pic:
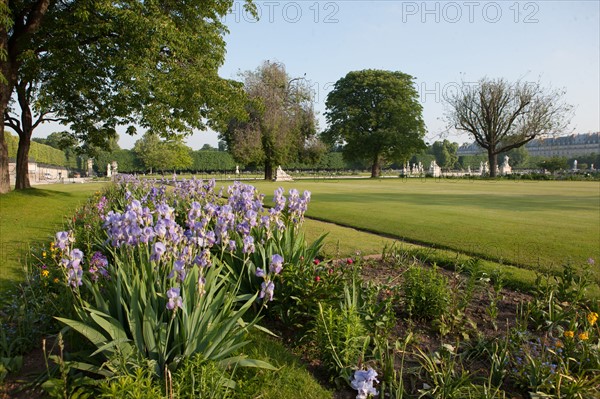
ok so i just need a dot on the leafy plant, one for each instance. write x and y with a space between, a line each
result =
392 377
70 382
341 336
426 292
446 378
130 321
495 296
558 298
197 378
140 384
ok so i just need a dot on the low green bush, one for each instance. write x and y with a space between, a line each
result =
426 292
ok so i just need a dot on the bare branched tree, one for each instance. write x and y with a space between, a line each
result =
501 115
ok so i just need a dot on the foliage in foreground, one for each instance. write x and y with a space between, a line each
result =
151 277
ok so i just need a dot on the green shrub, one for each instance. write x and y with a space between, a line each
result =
426 292
138 385
341 336
197 378
290 380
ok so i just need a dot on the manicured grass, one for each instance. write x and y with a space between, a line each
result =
534 225
31 217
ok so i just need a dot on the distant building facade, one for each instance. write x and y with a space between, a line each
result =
565 146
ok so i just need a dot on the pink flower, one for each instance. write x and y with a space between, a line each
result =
316 261
317 279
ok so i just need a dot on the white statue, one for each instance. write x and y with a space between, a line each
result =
280 175
237 170
505 169
108 171
434 169
90 167
575 165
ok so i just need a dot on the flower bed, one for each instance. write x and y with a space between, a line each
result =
159 286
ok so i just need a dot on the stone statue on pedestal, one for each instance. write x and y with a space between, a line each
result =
280 175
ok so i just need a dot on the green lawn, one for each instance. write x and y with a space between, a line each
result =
31 217
533 224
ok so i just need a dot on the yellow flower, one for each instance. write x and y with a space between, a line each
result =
592 318
45 273
56 280
43 254
583 336
569 334
559 344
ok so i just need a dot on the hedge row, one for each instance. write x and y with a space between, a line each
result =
37 152
212 160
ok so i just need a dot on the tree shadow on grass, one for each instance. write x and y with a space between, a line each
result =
38 192
484 201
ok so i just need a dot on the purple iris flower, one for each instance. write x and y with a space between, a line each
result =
179 268
276 264
267 288
175 300
62 239
158 249
248 245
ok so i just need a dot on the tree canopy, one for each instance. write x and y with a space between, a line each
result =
98 64
158 154
376 116
281 122
502 115
446 153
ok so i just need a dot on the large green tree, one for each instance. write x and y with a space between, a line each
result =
446 153
376 115
502 115
162 155
281 123
97 64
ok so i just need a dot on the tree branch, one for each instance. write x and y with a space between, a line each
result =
11 122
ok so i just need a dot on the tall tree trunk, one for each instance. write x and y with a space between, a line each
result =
6 88
493 159
25 133
268 170
4 176
376 167
22 181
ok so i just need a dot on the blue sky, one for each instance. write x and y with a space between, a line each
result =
440 43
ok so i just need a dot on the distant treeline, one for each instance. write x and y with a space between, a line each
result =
203 160
213 160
